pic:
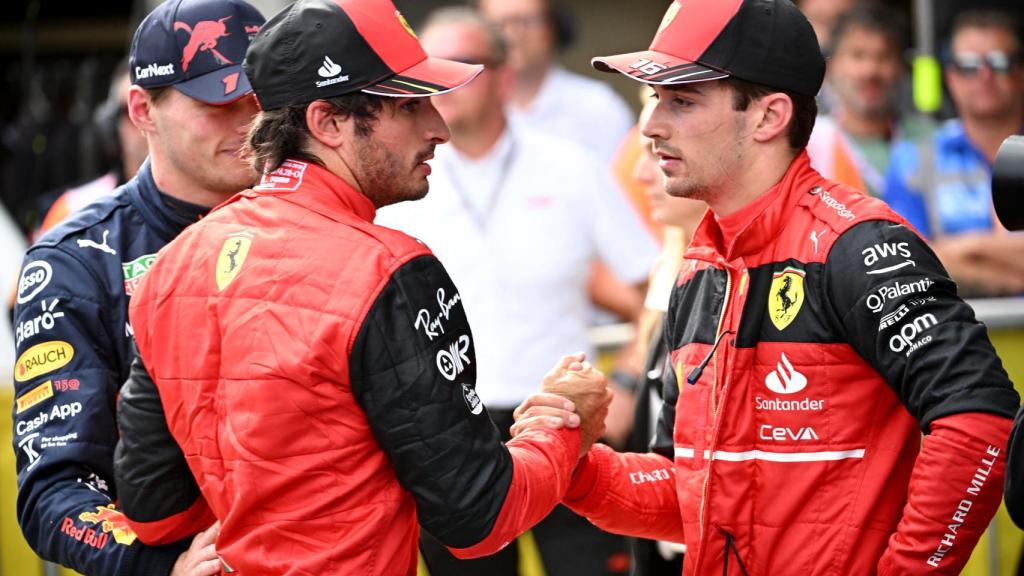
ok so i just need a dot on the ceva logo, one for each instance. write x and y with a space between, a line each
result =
785 379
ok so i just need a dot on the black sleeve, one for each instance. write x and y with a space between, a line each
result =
1014 487
413 371
898 308
663 442
152 476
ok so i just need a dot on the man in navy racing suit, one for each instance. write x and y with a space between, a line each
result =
193 103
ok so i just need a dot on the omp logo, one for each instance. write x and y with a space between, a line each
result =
34 277
44 321
153 70
453 361
907 340
785 379
781 433
329 69
42 359
34 396
873 254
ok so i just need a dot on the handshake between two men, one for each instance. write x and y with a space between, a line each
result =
573 394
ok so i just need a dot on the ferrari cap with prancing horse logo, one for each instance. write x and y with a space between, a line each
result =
197 46
317 49
767 42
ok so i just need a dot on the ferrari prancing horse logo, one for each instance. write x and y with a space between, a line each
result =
786 296
232 256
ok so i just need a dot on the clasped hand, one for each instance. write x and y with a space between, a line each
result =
573 394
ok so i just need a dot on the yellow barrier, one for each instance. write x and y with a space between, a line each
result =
16 558
996 555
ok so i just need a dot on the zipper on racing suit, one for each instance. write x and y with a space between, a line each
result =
714 405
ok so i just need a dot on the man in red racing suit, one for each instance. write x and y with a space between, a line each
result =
814 336
311 375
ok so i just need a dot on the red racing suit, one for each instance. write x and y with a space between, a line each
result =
814 336
318 373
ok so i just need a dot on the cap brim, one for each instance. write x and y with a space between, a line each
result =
222 86
657 68
430 77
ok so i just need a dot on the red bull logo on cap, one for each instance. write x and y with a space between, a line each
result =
203 37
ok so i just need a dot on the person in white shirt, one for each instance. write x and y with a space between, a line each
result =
517 217
543 93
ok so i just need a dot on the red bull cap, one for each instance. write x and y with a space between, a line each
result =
197 46
317 49
767 42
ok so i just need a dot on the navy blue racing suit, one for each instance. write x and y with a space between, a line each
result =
74 349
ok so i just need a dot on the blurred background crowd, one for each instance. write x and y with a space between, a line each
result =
919 94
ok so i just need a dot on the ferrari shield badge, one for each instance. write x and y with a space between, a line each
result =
232 256
786 296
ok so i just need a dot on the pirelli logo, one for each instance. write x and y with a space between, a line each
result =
35 396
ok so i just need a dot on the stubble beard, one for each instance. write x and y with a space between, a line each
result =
385 178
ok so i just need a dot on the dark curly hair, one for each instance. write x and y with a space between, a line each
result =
277 135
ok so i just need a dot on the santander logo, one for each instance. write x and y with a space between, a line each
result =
785 379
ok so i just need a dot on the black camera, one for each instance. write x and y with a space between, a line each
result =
1008 183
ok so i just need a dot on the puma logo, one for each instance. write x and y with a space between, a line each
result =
104 247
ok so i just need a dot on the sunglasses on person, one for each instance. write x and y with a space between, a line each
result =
970 63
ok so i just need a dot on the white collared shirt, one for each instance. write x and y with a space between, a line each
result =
520 252
578 108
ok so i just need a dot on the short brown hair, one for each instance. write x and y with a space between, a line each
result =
805 108
986 18
159 93
280 134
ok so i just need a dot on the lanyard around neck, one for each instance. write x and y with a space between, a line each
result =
481 219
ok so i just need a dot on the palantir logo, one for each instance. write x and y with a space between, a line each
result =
329 69
785 379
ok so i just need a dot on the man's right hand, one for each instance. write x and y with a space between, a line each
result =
201 557
584 386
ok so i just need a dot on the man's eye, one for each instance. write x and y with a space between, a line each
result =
411 105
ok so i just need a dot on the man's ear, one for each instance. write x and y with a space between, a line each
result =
775 112
326 125
140 109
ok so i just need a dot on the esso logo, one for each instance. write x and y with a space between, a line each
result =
34 277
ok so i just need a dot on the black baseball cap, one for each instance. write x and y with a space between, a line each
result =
317 49
767 42
197 46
